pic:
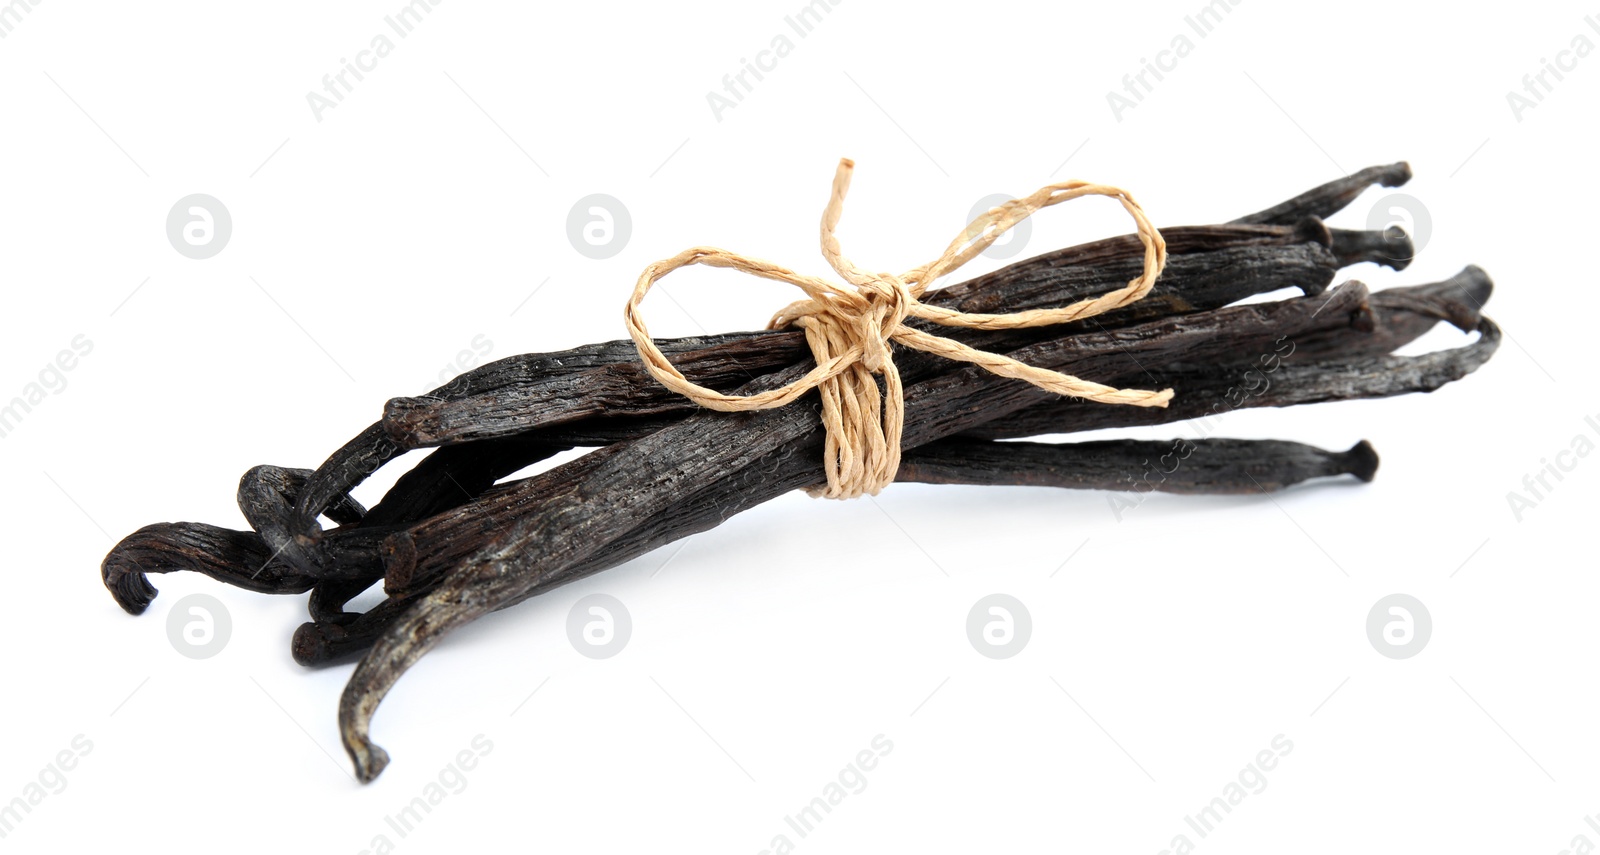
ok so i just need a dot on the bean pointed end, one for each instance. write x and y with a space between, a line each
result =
1362 461
370 760
1395 174
1398 249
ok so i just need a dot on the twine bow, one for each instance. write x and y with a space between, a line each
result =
849 330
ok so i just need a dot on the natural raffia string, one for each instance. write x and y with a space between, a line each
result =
849 330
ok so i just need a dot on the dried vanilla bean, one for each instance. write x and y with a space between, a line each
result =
1171 466
1206 391
556 399
1330 198
237 558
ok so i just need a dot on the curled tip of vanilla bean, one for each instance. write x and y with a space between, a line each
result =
369 760
355 720
128 584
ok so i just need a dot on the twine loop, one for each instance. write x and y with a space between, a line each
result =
850 329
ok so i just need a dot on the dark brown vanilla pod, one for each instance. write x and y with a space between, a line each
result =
237 558
1333 197
622 388
1210 391
1193 466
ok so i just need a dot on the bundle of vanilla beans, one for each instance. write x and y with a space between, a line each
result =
452 541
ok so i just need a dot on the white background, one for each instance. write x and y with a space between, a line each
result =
369 248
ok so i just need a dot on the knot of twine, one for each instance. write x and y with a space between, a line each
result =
849 330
